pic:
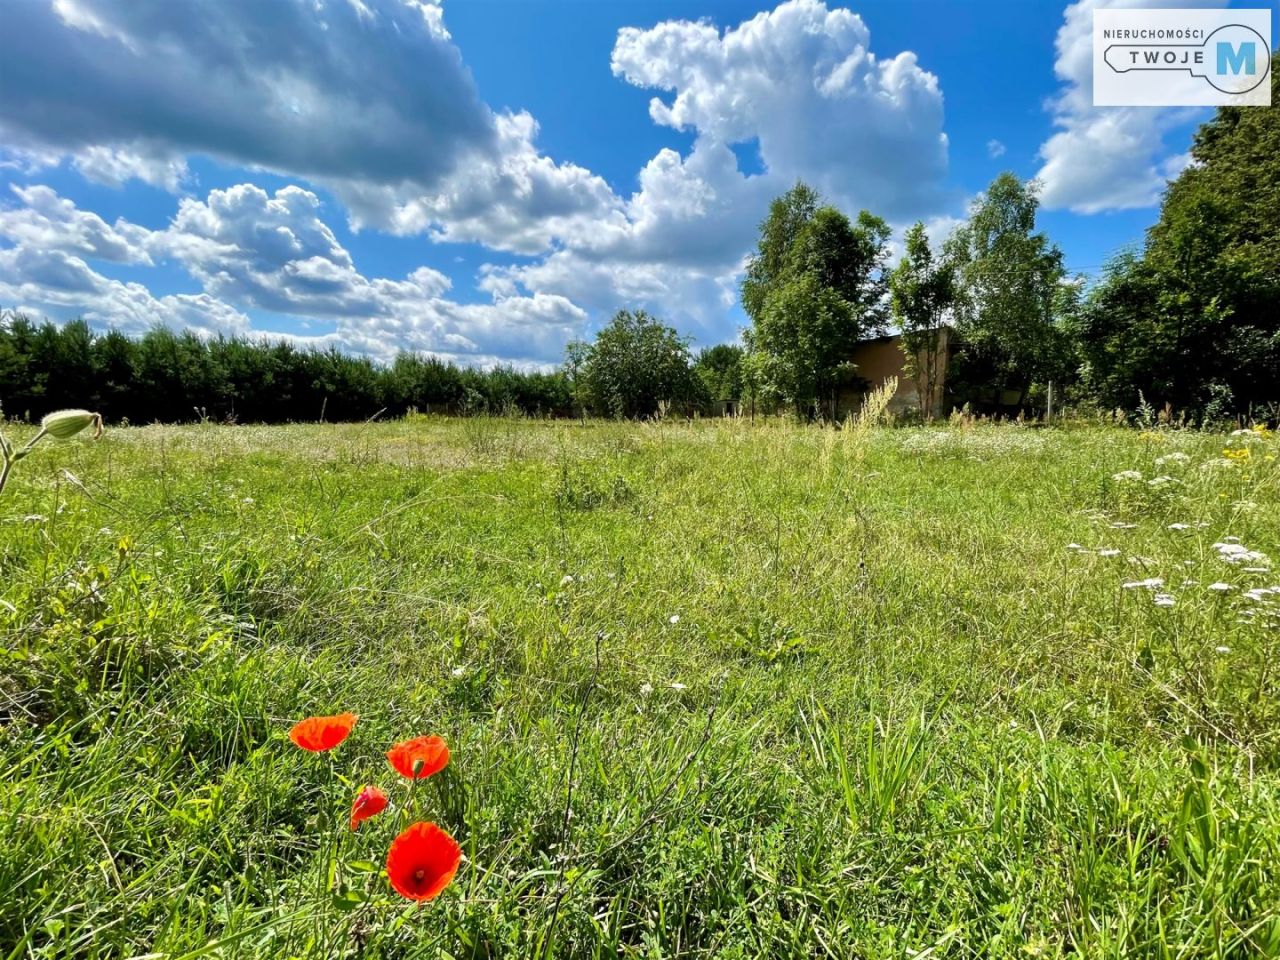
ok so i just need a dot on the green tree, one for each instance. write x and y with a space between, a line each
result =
720 370
1194 316
635 365
21 386
773 260
922 294
1008 278
804 337
814 287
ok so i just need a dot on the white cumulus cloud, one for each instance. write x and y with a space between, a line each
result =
803 82
42 220
319 88
250 250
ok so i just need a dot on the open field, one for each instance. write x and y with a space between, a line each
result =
715 689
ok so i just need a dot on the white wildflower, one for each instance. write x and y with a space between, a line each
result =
1148 584
566 580
1126 475
1232 551
1164 600
1179 526
646 689
1220 587
1108 552
1172 458
674 619
1222 649
677 685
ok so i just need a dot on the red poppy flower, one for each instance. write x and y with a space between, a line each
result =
319 734
422 861
368 803
419 757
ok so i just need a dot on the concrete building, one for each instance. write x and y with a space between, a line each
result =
880 358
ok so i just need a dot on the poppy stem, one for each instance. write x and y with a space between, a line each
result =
408 802
337 856
330 825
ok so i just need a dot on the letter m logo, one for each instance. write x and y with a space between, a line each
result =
1234 59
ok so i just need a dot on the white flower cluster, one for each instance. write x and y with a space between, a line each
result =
1234 552
1248 435
983 443
1266 605
1135 476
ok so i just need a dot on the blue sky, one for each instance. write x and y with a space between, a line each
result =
486 179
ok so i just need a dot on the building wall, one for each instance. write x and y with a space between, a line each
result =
879 359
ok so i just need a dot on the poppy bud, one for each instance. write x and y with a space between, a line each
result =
65 424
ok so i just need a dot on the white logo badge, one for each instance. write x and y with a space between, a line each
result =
1191 58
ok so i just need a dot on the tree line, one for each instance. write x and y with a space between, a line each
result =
176 377
1190 319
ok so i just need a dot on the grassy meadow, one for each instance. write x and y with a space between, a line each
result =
715 689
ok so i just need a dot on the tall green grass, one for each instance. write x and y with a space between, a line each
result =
711 689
